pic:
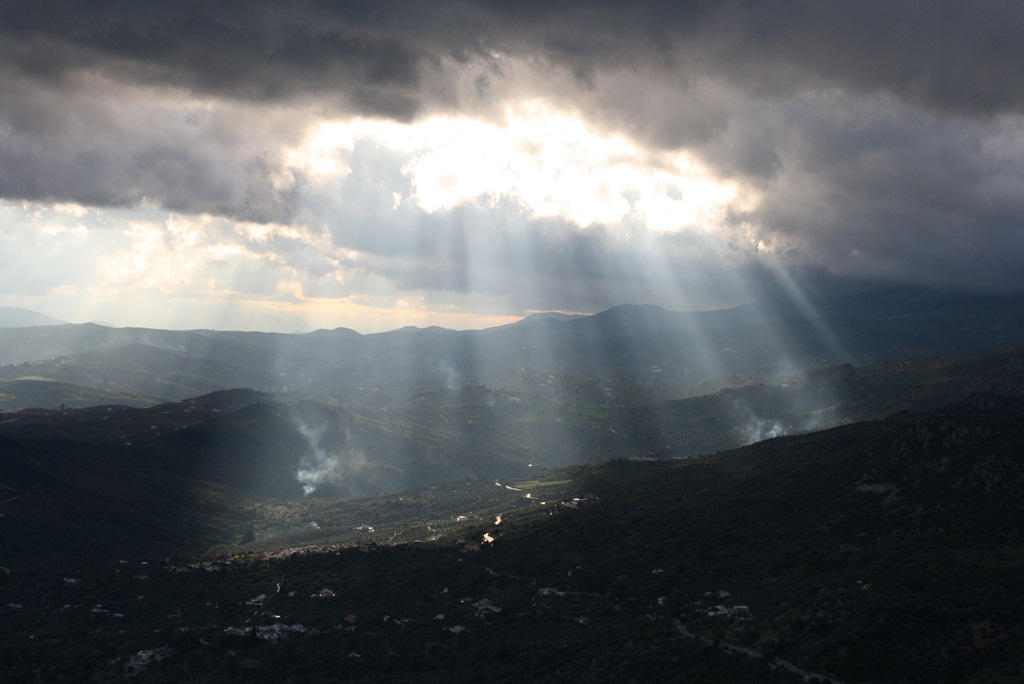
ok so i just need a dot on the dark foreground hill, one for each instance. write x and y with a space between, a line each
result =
886 551
180 477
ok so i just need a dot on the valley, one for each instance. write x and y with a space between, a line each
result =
854 523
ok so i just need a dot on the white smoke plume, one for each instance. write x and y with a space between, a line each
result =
325 464
449 374
793 414
759 429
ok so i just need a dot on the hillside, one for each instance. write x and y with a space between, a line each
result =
555 420
626 344
192 465
543 523
43 393
17 317
880 551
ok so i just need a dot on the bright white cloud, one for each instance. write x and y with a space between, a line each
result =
549 162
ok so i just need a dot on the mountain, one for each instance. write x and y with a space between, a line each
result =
624 344
274 445
89 463
561 499
547 316
43 393
180 466
886 551
16 317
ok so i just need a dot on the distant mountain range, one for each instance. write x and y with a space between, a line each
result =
16 317
628 343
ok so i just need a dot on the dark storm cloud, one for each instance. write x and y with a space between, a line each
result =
954 55
881 138
251 51
86 114
874 189
105 149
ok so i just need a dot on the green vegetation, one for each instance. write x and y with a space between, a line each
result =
880 551
40 392
598 523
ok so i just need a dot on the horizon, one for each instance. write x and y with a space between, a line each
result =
513 320
808 306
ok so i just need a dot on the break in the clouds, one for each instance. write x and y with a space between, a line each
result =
373 164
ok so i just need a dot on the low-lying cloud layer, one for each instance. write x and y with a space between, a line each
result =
388 162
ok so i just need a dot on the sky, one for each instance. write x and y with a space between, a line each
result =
371 165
